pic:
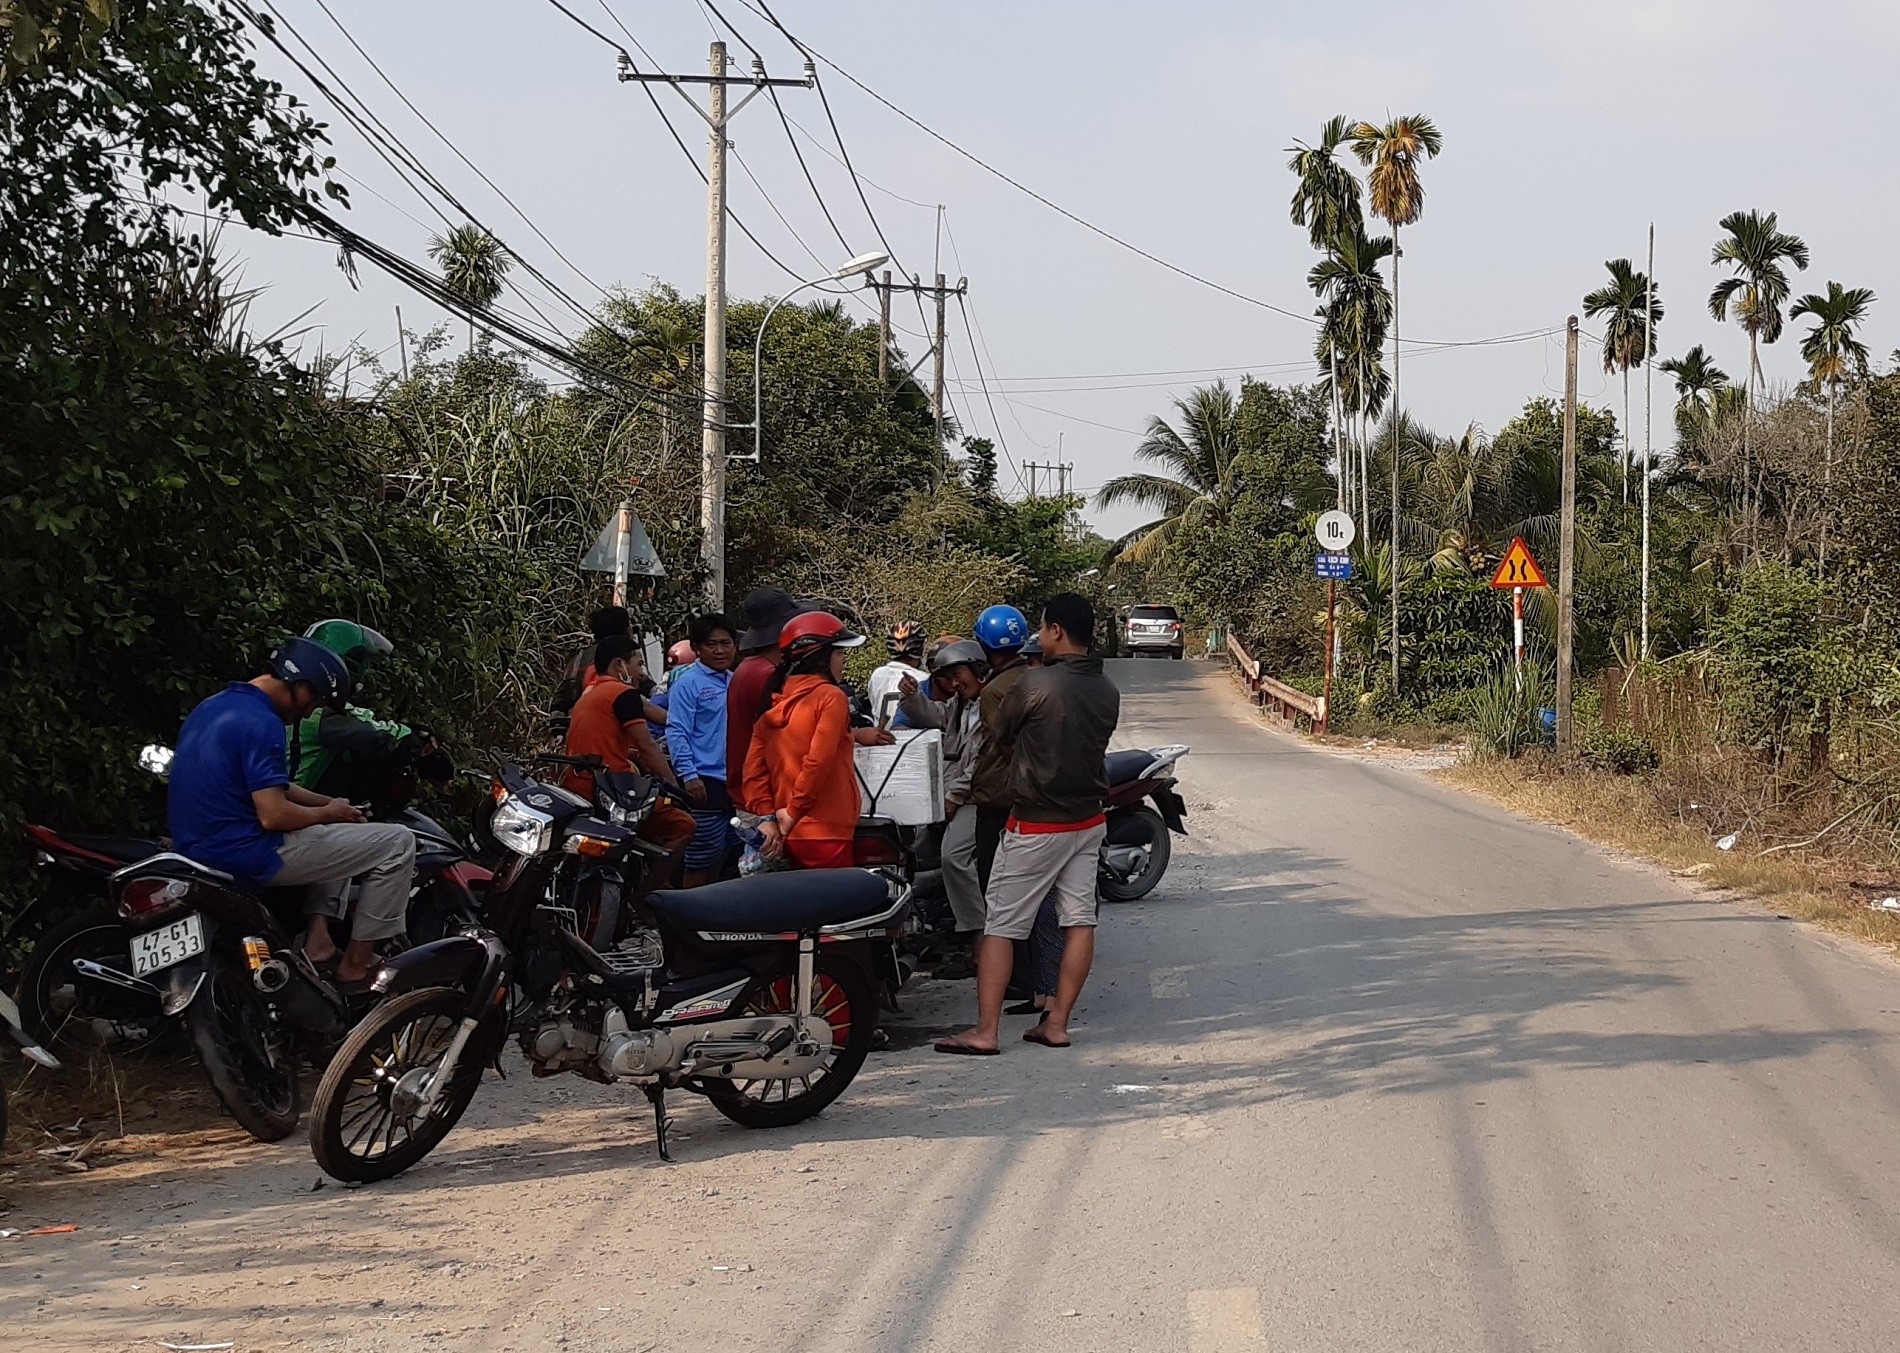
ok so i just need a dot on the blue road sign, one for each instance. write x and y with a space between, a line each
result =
1333 564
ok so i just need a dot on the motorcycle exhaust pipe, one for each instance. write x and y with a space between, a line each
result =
271 976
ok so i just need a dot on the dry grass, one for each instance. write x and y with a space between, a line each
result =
1637 814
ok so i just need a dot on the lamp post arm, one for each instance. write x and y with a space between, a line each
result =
758 359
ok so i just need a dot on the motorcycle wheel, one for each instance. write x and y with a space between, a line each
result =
246 1053
1138 826
843 995
66 1011
359 1132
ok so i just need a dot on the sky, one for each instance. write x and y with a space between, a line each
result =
1568 129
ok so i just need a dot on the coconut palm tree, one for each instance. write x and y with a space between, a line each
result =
1199 481
473 264
1393 153
665 348
1627 340
1757 250
1326 200
1832 351
1354 316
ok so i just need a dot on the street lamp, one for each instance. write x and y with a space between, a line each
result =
863 263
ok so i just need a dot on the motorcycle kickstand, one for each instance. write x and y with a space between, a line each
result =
656 1095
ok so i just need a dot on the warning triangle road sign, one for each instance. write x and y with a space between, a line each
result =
1518 568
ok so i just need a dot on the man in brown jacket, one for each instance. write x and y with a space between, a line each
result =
1053 728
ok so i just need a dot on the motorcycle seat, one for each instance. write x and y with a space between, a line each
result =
125 849
795 899
1125 766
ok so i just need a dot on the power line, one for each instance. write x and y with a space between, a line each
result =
995 422
475 168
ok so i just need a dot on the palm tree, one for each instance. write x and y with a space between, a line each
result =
1199 483
1394 152
1356 313
1326 201
1627 340
1698 380
1756 249
473 264
1832 350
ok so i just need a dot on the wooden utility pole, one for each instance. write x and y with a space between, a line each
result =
1567 547
712 481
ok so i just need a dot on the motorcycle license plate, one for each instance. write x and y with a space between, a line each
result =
158 949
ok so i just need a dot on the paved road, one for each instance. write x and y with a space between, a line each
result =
1378 1067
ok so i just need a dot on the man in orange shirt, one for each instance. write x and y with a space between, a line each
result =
609 722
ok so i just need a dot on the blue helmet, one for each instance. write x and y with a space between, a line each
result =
308 661
1002 629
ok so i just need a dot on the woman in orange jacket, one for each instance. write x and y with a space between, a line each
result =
800 773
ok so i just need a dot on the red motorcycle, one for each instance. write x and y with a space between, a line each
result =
1135 852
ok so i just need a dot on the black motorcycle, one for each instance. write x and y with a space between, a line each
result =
761 998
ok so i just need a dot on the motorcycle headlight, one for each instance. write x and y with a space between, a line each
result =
520 828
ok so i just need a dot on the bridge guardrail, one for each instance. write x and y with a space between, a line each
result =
1284 700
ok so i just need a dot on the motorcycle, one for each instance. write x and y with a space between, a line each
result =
1136 850
15 1031
761 997
76 932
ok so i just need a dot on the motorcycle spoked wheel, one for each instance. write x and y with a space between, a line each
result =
1139 826
67 1011
247 1055
360 1131
843 996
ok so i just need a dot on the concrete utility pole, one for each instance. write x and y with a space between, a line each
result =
941 292
1566 547
1649 391
714 418
884 328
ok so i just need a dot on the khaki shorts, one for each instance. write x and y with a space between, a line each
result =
1031 865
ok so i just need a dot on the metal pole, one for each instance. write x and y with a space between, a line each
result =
1517 636
1649 387
712 485
623 548
402 341
884 328
1326 684
1566 545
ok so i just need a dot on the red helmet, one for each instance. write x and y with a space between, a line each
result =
680 653
808 632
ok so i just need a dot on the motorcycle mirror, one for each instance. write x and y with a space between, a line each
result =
156 758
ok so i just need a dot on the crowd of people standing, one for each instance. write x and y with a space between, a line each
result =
758 721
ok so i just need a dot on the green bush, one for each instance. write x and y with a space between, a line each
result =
1505 719
1620 750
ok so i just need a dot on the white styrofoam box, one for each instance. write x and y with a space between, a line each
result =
903 782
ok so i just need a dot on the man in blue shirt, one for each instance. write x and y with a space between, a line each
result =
696 742
233 807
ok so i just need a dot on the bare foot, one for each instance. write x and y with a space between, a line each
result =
319 951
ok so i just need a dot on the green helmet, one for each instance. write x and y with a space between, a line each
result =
358 645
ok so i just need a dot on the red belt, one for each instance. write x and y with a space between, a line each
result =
1021 828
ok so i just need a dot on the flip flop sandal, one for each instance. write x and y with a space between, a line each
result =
1036 1035
955 1049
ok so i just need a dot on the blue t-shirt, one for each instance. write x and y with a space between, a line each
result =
231 746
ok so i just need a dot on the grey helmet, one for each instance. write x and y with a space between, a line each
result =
963 653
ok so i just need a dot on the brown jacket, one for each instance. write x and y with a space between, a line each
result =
989 785
1054 726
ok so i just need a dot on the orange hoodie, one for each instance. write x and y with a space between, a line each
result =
801 758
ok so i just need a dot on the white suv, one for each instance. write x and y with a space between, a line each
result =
1153 629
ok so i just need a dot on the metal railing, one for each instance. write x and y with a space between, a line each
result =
1281 699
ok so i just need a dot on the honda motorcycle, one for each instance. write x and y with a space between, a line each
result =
1136 850
759 993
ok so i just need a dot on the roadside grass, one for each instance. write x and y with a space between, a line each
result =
1635 813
